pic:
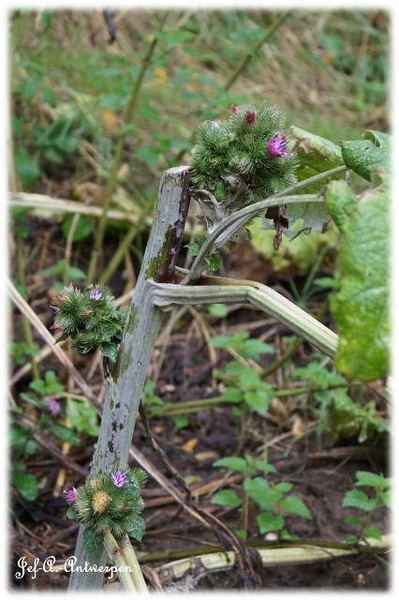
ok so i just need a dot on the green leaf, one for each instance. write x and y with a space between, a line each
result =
267 521
65 434
26 485
261 465
254 348
233 395
262 493
82 416
30 399
242 534
372 532
359 499
296 506
366 478
340 203
284 487
218 310
224 341
109 350
226 498
385 497
57 269
369 156
259 400
361 306
180 421
234 463
83 228
214 262
314 217
75 274
27 167
315 153
71 513
248 378
137 529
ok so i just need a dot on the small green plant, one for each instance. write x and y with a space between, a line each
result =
61 269
44 395
23 447
109 502
272 500
244 386
337 412
375 494
20 352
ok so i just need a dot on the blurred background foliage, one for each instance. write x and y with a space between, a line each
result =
71 84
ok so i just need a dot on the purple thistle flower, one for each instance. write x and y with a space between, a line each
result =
119 479
70 495
235 109
277 146
250 117
53 406
96 294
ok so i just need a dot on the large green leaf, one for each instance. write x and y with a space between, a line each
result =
315 153
340 203
370 156
360 307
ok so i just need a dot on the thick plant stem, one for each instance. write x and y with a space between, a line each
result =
124 389
131 559
126 563
123 569
257 294
113 176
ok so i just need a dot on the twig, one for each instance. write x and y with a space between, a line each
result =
49 203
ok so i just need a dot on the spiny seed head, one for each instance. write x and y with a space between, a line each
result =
100 501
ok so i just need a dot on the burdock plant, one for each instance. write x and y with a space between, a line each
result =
241 167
